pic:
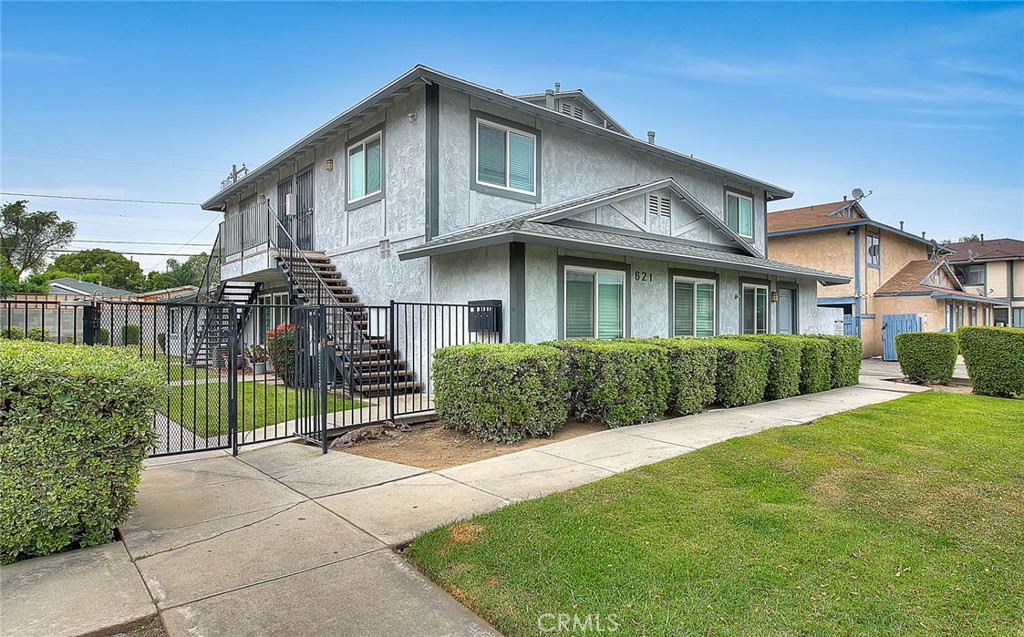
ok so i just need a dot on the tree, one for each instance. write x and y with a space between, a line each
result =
187 272
969 237
104 267
27 238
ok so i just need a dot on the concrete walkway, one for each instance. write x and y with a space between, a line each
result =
283 540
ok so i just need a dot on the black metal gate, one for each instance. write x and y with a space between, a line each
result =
240 374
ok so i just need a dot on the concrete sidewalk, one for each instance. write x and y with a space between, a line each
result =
283 540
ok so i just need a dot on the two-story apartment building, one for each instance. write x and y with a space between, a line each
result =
893 273
995 268
438 190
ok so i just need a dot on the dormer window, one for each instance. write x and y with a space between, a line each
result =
739 214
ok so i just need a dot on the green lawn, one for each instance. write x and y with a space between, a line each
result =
203 408
901 518
178 371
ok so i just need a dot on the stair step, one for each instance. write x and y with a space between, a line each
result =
373 389
364 376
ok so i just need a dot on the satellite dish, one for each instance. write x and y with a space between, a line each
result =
858 193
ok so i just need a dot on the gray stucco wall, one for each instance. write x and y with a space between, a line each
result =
571 165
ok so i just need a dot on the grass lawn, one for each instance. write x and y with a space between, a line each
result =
901 518
176 370
203 408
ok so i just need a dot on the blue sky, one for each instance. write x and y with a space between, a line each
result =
921 103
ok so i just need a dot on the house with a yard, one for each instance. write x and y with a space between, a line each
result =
898 281
995 268
435 189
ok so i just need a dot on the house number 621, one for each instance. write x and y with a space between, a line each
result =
643 276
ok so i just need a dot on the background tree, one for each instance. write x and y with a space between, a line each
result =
187 272
969 237
104 267
27 238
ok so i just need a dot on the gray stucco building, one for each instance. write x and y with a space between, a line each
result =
435 189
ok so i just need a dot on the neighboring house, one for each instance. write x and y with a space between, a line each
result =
435 189
68 286
993 267
894 274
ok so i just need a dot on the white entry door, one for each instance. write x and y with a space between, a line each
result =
785 311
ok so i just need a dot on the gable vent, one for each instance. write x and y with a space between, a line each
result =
659 206
572 110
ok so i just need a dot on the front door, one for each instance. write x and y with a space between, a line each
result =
785 308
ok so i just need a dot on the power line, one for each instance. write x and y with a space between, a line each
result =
203 229
130 253
134 150
139 243
116 161
165 203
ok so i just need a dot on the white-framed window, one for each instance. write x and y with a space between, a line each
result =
365 168
873 251
971 274
594 303
755 309
739 214
693 306
505 157
173 321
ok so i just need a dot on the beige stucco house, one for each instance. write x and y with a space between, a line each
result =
898 280
995 268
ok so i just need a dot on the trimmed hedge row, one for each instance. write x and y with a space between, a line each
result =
504 393
501 393
927 357
618 383
995 359
75 427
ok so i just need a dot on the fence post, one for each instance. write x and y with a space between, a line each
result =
232 379
90 323
392 355
323 367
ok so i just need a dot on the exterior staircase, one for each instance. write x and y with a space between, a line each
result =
364 363
213 330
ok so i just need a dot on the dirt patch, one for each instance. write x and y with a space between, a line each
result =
431 446
466 532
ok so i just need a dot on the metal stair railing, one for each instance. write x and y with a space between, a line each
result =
304 279
199 315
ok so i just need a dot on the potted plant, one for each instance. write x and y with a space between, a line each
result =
257 356
281 342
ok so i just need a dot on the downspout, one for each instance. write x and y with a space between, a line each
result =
1009 293
856 276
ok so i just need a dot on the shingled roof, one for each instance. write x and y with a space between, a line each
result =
912 280
989 249
818 215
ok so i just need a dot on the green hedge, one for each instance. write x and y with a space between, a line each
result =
845 354
927 357
815 365
75 427
12 333
742 375
618 383
131 334
995 359
501 393
692 364
102 336
783 364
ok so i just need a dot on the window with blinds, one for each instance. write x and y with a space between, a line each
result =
659 206
739 214
755 309
693 307
505 158
594 304
365 169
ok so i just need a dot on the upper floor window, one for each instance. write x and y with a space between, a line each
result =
505 157
970 274
873 251
365 168
739 214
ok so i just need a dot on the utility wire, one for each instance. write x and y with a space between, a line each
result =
139 243
134 150
131 253
116 161
38 196
203 229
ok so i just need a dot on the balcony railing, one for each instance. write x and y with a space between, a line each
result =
247 230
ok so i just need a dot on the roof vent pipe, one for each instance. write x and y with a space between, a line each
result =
983 237
558 87
549 99
650 137
901 225
922 234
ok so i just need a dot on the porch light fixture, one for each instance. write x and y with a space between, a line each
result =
775 296
329 165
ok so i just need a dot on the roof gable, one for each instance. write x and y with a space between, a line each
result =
1006 248
578 105
922 276
700 224
818 215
